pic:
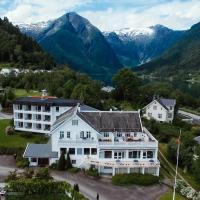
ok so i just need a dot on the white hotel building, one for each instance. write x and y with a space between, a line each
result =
37 114
112 141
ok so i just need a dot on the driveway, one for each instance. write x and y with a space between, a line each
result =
89 187
7 164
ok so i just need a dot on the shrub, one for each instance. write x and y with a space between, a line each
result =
74 170
11 150
43 173
92 172
68 162
61 162
53 166
136 179
22 162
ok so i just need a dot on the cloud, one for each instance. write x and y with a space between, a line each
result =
29 11
108 15
174 14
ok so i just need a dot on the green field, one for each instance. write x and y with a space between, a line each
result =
18 139
24 93
169 195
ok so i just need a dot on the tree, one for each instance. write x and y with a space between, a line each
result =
126 84
76 187
61 162
68 162
196 164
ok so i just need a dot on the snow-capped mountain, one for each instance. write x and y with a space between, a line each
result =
73 40
132 46
138 46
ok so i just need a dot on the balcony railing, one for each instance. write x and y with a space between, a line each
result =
121 163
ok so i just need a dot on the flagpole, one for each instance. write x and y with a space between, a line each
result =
177 157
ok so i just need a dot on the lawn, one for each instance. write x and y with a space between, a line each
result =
24 93
18 139
169 195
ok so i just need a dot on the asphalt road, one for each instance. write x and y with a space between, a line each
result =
90 187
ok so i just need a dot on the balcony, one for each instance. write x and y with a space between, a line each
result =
121 163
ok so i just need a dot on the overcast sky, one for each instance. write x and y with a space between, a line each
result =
107 15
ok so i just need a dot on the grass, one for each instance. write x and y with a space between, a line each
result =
24 93
18 139
168 196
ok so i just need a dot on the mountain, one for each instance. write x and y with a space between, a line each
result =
16 49
138 46
181 59
73 40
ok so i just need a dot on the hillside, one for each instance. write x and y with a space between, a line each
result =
20 50
73 40
181 59
138 46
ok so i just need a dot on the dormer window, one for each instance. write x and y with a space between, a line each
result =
74 122
61 134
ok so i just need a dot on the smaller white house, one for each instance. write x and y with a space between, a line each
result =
161 110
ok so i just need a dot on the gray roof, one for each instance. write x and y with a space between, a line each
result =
87 108
167 102
112 121
197 139
40 151
47 101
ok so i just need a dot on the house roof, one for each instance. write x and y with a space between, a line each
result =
167 102
112 121
40 151
197 139
47 101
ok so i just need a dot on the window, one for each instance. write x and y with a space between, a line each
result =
159 116
74 122
107 154
169 115
144 154
72 151
134 154
33 159
135 134
106 134
82 134
57 109
119 134
63 150
68 134
155 107
128 135
94 151
171 107
73 162
86 151
79 151
149 114
88 134
149 154
61 134
119 155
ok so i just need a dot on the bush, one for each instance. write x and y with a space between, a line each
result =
92 172
22 162
43 173
53 166
135 179
74 170
61 162
11 150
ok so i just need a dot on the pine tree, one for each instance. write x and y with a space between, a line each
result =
68 162
61 162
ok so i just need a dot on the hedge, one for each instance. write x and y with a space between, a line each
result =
135 179
11 150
